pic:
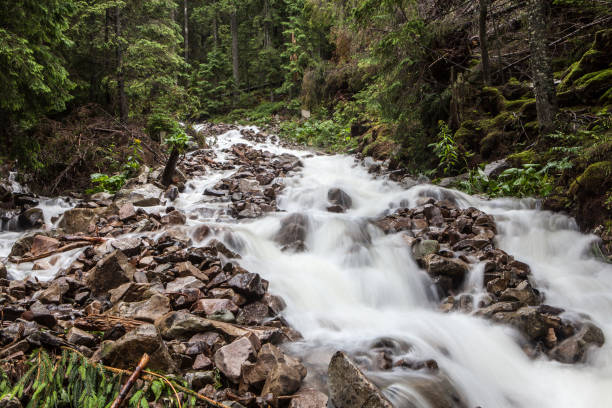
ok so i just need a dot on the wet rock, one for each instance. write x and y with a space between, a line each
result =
129 246
172 193
199 379
111 271
81 338
434 392
127 211
126 352
309 398
527 320
293 231
42 244
453 268
229 359
31 218
214 193
523 293
496 168
349 388
573 349
275 303
3 271
143 196
253 314
182 284
207 342
131 292
174 218
425 247
79 219
180 324
211 306
147 310
249 284
340 201
274 372
54 293
202 363
201 232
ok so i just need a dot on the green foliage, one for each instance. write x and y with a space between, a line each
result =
320 133
447 150
524 181
113 183
71 381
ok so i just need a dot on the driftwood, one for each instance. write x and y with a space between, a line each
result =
95 240
125 390
98 322
65 248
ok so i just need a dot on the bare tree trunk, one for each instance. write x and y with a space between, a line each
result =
170 167
484 42
544 87
107 26
186 17
235 60
267 25
215 31
123 106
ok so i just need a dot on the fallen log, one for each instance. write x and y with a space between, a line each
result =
65 248
125 390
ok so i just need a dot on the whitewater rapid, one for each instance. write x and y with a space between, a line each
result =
354 285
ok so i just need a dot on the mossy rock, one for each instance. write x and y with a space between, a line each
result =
493 101
491 142
528 110
606 98
600 151
524 157
603 41
595 179
468 135
514 89
594 85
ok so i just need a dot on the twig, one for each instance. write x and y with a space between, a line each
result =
130 382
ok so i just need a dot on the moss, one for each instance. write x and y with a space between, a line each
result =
528 110
595 179
594 84
492 100
524 157
603 40
532 127
606 98
490 142
514 89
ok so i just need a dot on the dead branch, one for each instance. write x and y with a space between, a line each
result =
65 248
130 382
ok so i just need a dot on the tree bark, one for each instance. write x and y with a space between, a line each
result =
186 18
235 60
123 106
170 167
544 87
215 32
484 42
267 25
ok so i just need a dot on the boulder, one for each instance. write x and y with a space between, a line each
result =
339 200
350 388
253 314
79 219
573 349
211 306
127 211
181 324
180 284
433 391
146 195
3 271
31 218
249 284
126 352
42 244
129 246
174 218
293 231
441 266
54 293
148 310
309 398
111 271
425 247
229 359
278 373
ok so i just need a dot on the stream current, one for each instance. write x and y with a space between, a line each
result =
355 286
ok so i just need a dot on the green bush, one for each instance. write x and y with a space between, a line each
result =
525 181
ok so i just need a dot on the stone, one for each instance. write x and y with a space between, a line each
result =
202 363
79 219
293 230
148 310
439 265
126 352
174 218
275 303
274 372
147 195
210 306
172 193
81 337
574 348
110 272
8 401
309 398
252 314
425 247
31 218
180 284
527 320
496 168
339 198
42 244
181 324
188 269
207 342
249 284
223 316
201 232
131 292
523 293
129 246
3 271
198 380
213 192
229 359
54 293
127 211
350 388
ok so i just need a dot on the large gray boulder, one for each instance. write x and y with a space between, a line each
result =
350 388
142 196
80 219
111 271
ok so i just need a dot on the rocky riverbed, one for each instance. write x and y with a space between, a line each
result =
169 272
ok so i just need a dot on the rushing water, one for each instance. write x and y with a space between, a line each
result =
355 285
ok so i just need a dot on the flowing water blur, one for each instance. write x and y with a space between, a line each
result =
354 286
